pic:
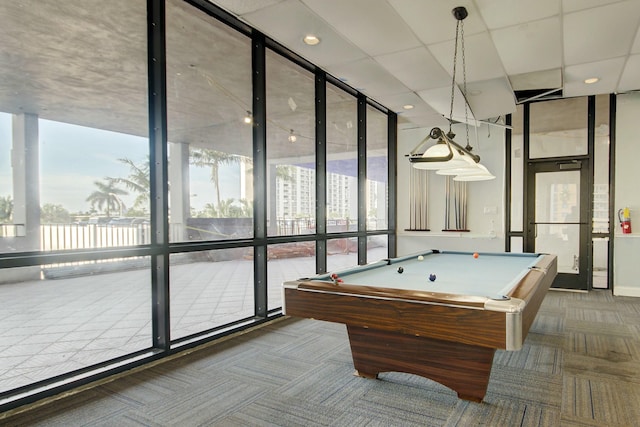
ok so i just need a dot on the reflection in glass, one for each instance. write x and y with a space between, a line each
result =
601 167
517 244
210 145
377 248
210 289
342 253
377 166
288 261
342 161
600 263
291 175
558 128
76 316
6 178
557 202
517 171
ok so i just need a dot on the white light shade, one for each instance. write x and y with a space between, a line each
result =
438 150
471 168
442 150
483 174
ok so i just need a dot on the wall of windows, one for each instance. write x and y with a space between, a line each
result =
170 168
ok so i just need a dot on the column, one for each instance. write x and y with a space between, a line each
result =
179 200
26 181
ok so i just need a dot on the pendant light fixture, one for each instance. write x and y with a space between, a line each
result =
446 157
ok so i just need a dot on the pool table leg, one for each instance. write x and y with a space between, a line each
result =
463 368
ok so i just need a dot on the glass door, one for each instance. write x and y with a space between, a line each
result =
557 211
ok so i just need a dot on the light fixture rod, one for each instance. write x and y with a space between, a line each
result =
437 133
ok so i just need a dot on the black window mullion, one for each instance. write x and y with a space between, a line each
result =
525 178
156 57
613 106
392 137
508 188
362 179
321 171
259 105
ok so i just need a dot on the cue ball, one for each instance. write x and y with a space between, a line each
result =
432 277
400 270
420 257
475 255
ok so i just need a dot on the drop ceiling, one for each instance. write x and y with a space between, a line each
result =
400 52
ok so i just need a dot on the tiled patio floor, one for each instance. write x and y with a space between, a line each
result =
51 327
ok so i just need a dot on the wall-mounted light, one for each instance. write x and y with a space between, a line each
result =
248 119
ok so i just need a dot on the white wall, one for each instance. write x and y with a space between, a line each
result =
485 218
627 194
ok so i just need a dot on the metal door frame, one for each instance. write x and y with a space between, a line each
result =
582 281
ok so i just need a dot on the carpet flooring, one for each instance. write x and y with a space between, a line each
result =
580 366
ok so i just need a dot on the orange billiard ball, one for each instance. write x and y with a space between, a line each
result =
475 255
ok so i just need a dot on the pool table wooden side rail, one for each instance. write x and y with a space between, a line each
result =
533 295
421 315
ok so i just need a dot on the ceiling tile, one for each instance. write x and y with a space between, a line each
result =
546 79
575 5
630 79
240 7
433 22
416 68
635 48
611 31
608 71
431 120
382 31
482 60
333 48
504 13
369 77
440 100
530 47
491 98
395 102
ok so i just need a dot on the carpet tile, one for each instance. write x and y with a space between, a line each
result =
580 366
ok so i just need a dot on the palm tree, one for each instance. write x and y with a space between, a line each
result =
138 181
204 157
6 209
107 195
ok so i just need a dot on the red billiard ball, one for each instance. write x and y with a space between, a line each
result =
475 255
432 277
334 276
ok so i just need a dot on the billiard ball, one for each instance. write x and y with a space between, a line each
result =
432 277
400 270
420 257
475 255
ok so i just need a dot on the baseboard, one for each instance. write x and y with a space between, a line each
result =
626 291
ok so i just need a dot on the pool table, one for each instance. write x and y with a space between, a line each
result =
446 329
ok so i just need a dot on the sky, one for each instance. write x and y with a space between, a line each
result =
73 157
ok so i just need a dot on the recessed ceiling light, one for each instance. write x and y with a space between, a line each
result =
592 80
408 107
311 40
475 92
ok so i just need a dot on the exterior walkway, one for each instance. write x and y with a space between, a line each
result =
51 327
